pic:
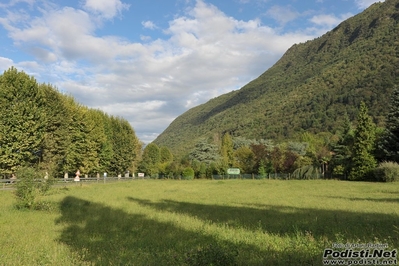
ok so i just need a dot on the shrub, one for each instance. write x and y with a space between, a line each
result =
188 173
30 186
306 172
386 172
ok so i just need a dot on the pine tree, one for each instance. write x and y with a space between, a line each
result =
390 145
341 161
363 160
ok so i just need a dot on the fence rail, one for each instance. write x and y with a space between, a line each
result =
10 183
6 184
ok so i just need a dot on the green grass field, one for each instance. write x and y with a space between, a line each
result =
168 222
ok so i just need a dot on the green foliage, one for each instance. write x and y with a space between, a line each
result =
150 159
363 161
30 187
226 150
387 172
306 172
57 135
125 146
390 144
244 159
165 155
299 148
309 89
188 173
262 170
341 161
205 152
22 120
41 127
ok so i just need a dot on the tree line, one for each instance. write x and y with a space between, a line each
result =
49 131
357 151
42 128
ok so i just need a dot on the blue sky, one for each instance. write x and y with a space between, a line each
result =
151 60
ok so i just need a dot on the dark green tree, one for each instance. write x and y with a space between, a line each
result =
342 158
363 160
390 144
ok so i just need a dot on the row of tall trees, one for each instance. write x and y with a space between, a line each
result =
41 127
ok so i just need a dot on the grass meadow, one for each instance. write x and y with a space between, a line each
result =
198 222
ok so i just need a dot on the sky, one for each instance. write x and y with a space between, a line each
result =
149 61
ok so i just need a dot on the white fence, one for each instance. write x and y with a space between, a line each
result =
6 184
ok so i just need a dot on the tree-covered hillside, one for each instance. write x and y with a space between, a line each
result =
50 131
309 89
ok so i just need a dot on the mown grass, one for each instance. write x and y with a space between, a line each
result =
168 222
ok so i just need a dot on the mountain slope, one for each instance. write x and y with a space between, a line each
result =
309 88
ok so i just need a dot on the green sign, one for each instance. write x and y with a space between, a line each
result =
233 171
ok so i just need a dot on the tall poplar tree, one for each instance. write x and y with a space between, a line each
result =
22 121
227 151
363 160
56 137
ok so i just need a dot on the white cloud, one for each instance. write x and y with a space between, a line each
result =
105 8
363 4
329 20
5 63
205 53
149 25
282 14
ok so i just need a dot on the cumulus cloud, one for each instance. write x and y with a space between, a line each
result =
105 8
205 53
282 14
329 20
149 25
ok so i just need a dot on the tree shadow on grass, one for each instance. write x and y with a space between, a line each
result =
333 225
100 235
394 199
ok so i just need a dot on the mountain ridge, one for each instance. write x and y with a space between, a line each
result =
309 88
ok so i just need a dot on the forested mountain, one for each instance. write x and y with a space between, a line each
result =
309 89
